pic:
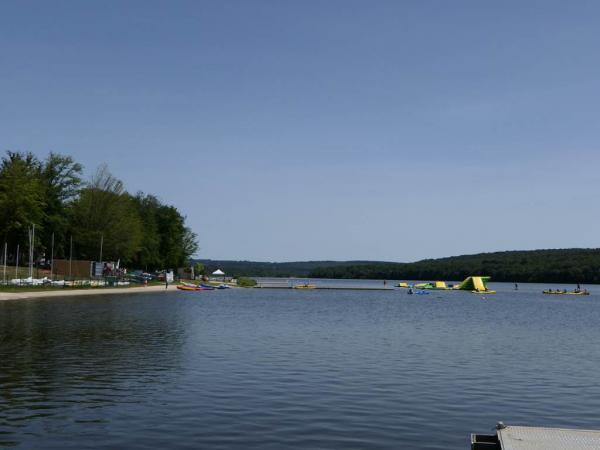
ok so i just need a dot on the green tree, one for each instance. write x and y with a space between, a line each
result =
104 211
166 242
177 242
21 197
198 269
148 256
60 178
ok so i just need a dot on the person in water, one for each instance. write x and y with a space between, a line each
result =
516 287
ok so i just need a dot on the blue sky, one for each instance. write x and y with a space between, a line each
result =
294 130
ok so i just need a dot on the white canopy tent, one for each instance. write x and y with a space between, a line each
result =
219 273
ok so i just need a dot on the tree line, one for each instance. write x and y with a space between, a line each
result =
139 230
536 266
270 269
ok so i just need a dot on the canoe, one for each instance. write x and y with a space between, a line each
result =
565 293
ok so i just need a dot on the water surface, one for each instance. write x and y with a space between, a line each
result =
287 369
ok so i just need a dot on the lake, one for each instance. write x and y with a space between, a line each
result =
295 369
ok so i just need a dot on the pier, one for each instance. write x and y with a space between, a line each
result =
536 438
302 286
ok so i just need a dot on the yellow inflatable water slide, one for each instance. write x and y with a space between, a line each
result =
476 284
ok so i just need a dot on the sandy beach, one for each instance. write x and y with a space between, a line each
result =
69 292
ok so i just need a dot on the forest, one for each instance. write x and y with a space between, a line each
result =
86 219
543 266
537 266
271 269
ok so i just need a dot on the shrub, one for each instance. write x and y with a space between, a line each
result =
246 282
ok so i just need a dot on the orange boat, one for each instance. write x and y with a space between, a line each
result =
192 288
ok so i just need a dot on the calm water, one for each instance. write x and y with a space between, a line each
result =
285 369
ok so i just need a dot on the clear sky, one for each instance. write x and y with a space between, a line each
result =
294 130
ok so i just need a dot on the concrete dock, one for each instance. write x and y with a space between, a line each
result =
536 438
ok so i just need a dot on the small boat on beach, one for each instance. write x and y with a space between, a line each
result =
188 288
193 287
211 287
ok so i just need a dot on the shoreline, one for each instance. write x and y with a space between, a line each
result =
73 292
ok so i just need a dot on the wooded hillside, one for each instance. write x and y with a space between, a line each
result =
544 266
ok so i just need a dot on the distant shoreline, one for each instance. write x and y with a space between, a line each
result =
568 266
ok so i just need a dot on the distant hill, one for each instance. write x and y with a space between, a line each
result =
275 269
574 265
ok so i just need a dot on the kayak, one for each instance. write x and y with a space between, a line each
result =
564 293
211 287
305 286
483 292
188 288
193 288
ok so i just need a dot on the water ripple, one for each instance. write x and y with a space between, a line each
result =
257 369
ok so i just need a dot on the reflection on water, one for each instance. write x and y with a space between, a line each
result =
286 369
80 355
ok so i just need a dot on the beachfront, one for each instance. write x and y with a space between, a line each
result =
81 292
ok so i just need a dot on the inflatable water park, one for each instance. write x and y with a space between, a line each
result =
476 284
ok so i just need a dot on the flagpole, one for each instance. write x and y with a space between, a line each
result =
30 269
70 256
4 273
17 264
33 251
101 245
52 259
